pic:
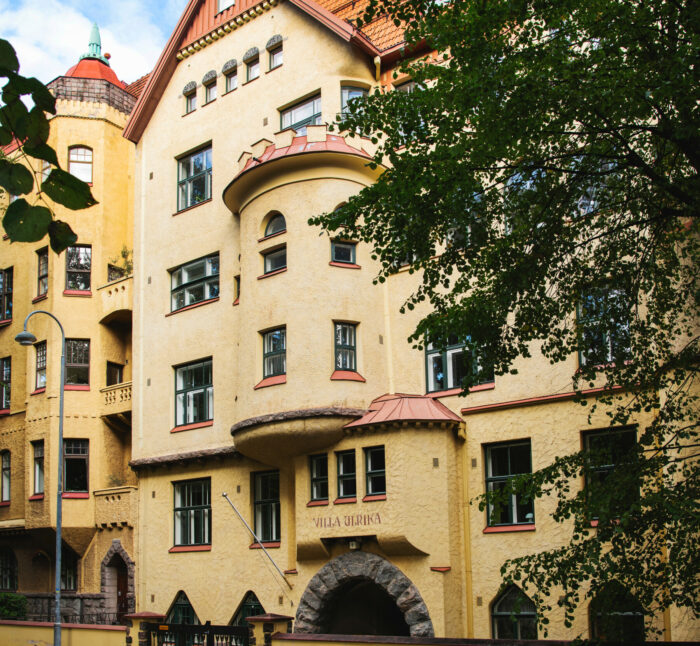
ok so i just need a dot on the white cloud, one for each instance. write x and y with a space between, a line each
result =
50 36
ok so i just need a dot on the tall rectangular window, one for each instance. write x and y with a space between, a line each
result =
38 448
78 362
194 393
5 382
306 113
80 163
69 570
115 373
276 57
40 370
266 488
318 469
252 68
345 352
447 368
232 80
210 91
603 320
75 466
375 470
6 294
194 178
194 282
78 266
42 271
191 101
504 462
6 478
275 352
347 485
192 512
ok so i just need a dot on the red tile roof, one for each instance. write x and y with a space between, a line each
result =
137 86
400 407
91 68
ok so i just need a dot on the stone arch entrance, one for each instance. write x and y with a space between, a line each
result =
354 576
117 580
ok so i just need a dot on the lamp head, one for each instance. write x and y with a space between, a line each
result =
25 338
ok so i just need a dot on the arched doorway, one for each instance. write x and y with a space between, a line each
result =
362 593
118 581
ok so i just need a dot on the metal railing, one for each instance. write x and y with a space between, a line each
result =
201 635
91 618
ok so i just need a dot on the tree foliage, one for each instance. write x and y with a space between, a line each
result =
30 221
543 180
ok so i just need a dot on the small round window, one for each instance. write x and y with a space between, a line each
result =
276 224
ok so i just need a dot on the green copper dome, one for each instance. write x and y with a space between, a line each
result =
95 46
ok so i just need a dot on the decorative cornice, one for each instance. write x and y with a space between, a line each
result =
296 414
184 458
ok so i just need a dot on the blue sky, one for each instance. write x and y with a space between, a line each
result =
50 35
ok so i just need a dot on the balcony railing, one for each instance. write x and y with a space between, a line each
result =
115 507
117 398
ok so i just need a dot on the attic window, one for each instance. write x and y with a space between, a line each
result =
190 93
230 72
224 4
209 83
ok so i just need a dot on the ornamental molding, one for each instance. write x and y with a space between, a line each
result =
229 66
208 77
252 53
273 42
189 88
226 28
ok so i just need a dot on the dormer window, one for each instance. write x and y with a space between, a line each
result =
190 94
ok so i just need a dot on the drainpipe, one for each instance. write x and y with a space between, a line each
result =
467 542
377 68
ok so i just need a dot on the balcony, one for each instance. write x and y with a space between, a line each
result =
116 302
115 507
116 406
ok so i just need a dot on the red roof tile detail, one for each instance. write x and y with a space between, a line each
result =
137 86
405 408
91 68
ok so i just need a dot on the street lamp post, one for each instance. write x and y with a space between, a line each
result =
27 338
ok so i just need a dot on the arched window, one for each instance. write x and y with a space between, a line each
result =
276 224
6 476
8 570
616 616
249 607
182 612
513 615
80 162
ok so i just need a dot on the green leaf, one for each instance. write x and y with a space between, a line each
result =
42 151
64 188
25 223
37 127
8 58
15 178
61 236
5 136
13 117
19 85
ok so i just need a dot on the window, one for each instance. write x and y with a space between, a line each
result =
375 470
210 92
275 260
6 294
42 271
40 349
252 68
224 4
69 570
38 448
318 468
276 224
190 102
603 319
345 346
194 179
78 362
192 512
181 612
250 607
347 487
616 616
348 94
448 368
8 570
5 458
75 466
194 282
232 80
408 87
275 57
610 487
114 273
5 382
78 265
80 163
513 616
306 113
504 462
194 393
236 288
115 373
275 352
343 252
45 170
267 506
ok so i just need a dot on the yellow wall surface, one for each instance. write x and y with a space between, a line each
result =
19 633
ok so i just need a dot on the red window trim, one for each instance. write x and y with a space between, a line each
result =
437 394
77 292
294 571
502 529
272 235
5 322
76 387
372 498
38 391
266 544
273 273
190 548
4 411
190 307
5 503
37 496
235 302
441 568
344 501
271 381
76 494
317 503
189 427
41 297
193 206
347 375
344 265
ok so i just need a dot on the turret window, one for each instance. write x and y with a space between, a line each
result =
306 113
80 163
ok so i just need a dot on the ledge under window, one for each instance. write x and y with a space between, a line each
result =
190 548
76 494
5 503
372 498
37 496
445 568
501 529
41 297
38 391
76 387
317 503
345 265
272 235
346 375
266 544
272 273
77 292
4 411
5 322
189 427
344 501
192 206
271 381
190 307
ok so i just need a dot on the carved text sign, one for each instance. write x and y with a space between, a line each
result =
351 520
